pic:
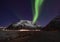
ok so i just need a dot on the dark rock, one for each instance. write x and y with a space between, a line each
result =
54 25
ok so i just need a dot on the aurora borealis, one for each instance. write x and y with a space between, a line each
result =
38 4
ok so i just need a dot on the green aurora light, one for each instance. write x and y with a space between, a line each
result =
38 4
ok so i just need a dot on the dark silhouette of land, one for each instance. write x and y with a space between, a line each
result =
30 36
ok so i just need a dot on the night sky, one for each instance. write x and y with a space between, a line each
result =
15 10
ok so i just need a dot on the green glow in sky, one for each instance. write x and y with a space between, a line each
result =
38 4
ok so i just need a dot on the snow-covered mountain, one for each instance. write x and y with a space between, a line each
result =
23 24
